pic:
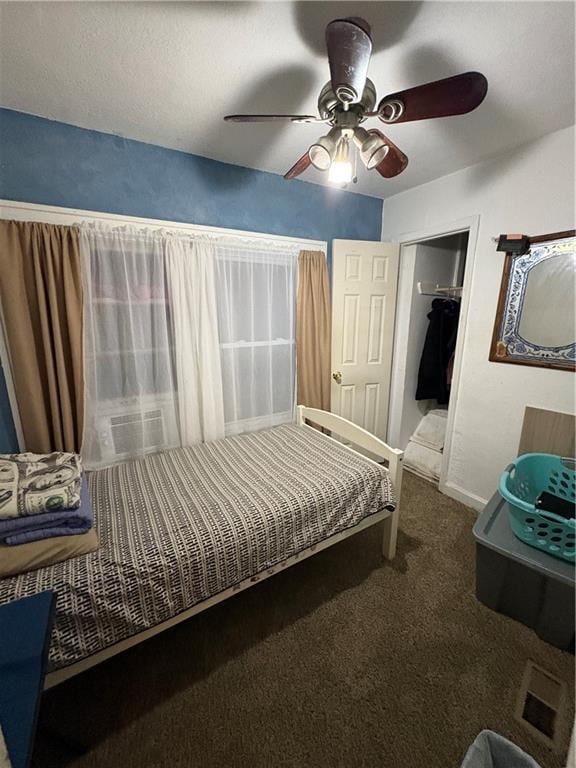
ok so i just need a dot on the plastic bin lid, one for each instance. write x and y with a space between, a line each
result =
492 529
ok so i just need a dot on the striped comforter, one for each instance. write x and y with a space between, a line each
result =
178 527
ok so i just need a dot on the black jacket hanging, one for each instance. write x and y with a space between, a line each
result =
438 349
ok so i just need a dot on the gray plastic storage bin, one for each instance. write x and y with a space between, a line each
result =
522 582
490 750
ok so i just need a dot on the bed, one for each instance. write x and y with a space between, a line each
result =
184 529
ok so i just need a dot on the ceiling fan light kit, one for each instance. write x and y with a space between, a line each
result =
341 168
322 152
373 148
349 99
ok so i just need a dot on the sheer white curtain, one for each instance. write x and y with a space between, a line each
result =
191 284
256 315
131 398
187 338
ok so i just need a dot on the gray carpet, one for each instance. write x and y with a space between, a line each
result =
343 660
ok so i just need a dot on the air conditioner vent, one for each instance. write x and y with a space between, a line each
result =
131 430
541 704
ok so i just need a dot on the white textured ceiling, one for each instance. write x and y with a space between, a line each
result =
166 73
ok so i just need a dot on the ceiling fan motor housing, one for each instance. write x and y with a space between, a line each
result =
346 94
329 102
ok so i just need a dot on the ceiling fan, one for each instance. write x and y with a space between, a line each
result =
349 98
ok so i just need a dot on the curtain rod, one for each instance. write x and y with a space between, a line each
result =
224 239
23 211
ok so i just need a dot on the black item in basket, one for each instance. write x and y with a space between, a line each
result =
549 502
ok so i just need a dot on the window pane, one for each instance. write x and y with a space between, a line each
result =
256 296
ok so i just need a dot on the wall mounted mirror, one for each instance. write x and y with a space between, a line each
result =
535 320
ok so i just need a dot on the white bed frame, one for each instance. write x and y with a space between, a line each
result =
335 425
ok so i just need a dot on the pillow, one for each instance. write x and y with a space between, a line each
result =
38 554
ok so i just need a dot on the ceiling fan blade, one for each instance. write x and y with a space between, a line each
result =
349 47
394 162
452 96
299 167
273 119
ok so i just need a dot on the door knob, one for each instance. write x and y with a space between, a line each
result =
337 376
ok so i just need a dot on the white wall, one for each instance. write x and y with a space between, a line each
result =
530 190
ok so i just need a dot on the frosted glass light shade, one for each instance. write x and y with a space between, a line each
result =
340 172
341 169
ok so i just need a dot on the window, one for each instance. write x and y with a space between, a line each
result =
131 403
187 338
256 307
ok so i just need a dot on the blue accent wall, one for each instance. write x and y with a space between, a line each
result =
43 161
52 163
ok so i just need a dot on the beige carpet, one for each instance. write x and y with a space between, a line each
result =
342 661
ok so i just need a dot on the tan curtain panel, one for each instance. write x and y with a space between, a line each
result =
41 295
313 331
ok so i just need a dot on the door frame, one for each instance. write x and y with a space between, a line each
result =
470 224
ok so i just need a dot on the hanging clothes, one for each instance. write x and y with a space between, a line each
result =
433 381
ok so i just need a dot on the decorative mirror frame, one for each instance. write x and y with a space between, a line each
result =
507 344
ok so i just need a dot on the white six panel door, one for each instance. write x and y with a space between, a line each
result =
364 281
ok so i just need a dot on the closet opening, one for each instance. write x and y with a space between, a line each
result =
428 321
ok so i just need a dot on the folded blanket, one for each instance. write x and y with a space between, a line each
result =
39 554
66 522
431 431
423 461
33 483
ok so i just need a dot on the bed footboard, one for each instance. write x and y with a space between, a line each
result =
366 440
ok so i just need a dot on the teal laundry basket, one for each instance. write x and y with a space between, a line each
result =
521 484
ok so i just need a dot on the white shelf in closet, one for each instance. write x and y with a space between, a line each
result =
446 291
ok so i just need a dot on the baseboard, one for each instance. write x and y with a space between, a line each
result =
465 497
